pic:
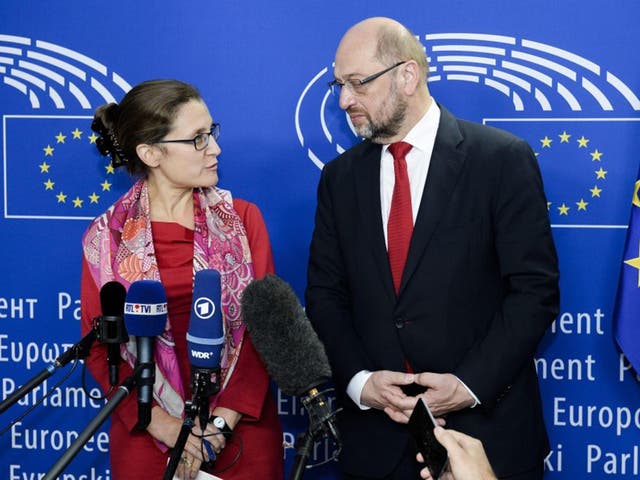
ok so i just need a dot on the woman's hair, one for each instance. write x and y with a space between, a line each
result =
145 115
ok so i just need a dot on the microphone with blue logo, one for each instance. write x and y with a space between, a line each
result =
205 339
145 316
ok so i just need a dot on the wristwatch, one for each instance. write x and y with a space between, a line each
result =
221 424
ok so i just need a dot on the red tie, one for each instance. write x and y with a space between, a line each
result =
400 226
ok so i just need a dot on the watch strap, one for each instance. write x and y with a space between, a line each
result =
225 428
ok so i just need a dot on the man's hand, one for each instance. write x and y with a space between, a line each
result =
445 393
383 391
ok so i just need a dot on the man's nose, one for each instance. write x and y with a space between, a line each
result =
346 97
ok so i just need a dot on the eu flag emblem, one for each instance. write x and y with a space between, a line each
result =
52 169
585 166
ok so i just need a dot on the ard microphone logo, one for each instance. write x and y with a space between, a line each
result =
204 308
145 308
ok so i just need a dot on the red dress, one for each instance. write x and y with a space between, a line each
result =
258 437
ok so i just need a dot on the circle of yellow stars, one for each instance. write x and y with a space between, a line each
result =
600 174
48 163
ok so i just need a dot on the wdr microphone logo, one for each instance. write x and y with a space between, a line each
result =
204 308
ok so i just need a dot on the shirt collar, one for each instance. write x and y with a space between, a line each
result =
423 134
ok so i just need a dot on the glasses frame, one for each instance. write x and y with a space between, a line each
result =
359 82
214 132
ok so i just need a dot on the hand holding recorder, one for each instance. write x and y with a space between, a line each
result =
467 458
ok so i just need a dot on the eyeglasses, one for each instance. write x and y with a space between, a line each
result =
201 140
356 85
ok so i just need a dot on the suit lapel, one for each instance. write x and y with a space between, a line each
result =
446 163
367 183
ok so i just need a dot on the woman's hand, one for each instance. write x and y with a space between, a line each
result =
166 429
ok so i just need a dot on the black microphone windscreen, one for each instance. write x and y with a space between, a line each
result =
283 336
112 298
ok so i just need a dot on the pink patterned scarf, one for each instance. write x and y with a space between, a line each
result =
118 246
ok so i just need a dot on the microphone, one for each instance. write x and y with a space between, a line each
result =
205 339
110 326
145 316
294 355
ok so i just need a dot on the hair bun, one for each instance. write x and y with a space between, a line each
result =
107 143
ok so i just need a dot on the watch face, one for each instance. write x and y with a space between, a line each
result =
219 423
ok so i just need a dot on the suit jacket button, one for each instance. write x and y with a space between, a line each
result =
399 322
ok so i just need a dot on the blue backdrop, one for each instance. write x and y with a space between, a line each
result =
563 75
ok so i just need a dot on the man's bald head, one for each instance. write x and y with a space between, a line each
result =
387 41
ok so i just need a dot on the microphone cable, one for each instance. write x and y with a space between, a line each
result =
44 397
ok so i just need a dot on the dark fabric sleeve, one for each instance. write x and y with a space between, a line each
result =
329 301
529 269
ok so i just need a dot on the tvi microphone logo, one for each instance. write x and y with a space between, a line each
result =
145 309
204 308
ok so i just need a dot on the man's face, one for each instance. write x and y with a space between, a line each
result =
376 109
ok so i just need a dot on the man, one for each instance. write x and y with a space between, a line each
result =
458 311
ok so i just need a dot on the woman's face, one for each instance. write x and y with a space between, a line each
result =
180 165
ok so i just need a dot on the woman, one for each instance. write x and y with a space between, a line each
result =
173 222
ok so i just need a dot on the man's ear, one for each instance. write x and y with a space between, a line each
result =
410 77
148 154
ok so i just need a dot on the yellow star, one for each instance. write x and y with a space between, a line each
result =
93 138
76 134
582 142
60 137
105 185
582 205
548 206
635 200
635 263
546 142
109 168
77 202
48 185
596 155
595 191
601 173
44 167
564 137
94 198
48 151
61 197
563 209
537 153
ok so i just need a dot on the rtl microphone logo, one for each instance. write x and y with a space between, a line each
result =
204 308
146 308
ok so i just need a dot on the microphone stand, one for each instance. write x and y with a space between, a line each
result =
304 443
320 425
78 351
202 389
123 390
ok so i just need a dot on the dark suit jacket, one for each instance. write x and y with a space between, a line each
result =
479 289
